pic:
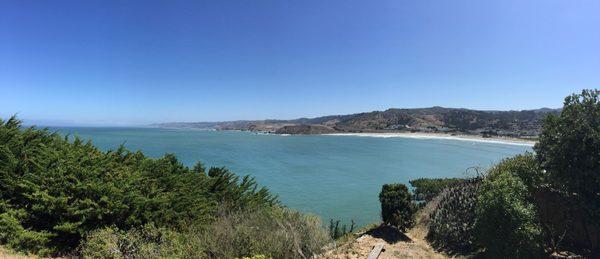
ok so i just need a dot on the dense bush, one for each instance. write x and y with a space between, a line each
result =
506 223
524 166
455 224
54 191
396 206
452 221
425 189
15 237
531 202
276 233
569 149
140 242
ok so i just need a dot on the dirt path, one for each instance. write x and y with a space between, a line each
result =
412 244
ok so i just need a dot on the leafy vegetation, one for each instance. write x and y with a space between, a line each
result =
452 226
506 222
336 230
495 213
277 233
569 149
396 206
533 204
525 167
425 189
54 192
61 196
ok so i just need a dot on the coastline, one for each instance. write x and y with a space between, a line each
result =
414 135
425 135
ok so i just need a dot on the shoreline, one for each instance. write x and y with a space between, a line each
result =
413 135
424 135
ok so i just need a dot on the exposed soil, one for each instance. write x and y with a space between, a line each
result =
411 244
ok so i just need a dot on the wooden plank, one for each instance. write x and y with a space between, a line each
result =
376 251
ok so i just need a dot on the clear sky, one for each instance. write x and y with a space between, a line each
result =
137 62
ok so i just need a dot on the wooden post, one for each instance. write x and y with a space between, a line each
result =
376 251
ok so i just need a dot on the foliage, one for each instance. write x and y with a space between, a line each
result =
396 206
455 223
263 233
276 233
427 188
15 237
147 241
336 231
255 257
569 149
453 219
506 222
524 166
54 191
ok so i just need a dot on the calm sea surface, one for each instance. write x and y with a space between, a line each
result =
331 176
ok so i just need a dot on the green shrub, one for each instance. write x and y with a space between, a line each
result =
569 150
17 238
277 233
396 206
524 166
142 242
56 190
103 243
427 188
452 221
506 223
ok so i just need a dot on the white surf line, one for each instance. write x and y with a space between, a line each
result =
421 136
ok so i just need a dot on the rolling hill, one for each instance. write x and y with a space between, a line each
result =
524 123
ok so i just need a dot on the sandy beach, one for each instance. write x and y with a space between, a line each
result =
423 135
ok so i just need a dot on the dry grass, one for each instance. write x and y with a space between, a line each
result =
411 244
5 254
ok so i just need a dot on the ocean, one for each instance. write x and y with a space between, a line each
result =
334 177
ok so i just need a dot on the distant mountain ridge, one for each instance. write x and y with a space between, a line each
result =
524 123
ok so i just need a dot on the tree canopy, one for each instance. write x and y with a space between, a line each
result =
569 149
53 190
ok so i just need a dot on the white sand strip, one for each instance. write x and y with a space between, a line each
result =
497 140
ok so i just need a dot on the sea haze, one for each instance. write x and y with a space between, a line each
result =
332 176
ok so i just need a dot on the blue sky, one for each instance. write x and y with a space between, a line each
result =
137 62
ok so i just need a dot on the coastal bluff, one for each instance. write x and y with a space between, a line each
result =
305 129
517 124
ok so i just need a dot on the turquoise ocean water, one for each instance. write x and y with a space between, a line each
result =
332 176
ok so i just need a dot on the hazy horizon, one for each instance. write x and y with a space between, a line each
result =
114 63
53 123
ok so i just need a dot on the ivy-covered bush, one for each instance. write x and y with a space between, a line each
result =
396 206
